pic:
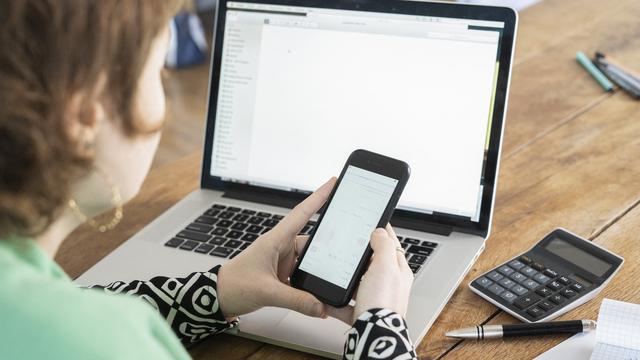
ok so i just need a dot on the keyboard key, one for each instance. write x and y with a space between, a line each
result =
233 208
535 312
226 215
218 206
505 270
219 231
496 289
554 285
414 268
249 212
266 230
235 254
277 217
305 230
212 212
234 234
517 277
525 301
556 298
577 287
537 266
546 305
244 245
541 278
494 276
515 264
193 235
270 223
255 229
525 260
189 245
407 256
509 296
429 244
200 228
506 283
174 242
543 291
405 246
204 248
311 223
417 259
519 290
420 250
218 240
568 293
233 244
224 223
529 271
221 251
484 282
255 220
206 220
564 280
550 273
264 214
239 226
412 241
241 217
530 284
249 237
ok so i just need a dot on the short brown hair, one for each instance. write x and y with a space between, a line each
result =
50 51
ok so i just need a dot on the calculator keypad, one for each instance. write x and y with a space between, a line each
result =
529 286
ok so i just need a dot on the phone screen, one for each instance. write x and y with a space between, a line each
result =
346 226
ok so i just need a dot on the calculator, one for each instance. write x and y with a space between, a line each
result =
558 274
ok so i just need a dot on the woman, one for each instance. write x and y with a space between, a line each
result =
81 109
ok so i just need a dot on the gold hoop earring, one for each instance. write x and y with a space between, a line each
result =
116 201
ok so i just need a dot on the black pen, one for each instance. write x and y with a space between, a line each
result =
481 332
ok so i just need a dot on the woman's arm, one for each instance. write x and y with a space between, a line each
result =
190 304
379 334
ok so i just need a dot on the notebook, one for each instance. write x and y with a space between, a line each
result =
617 336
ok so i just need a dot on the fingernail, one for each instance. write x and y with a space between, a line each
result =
380 231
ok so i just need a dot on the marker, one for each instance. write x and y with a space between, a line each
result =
626 81
593 70
481 332
609 59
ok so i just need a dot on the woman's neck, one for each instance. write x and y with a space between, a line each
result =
51 239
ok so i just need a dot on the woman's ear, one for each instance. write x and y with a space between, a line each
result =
83 117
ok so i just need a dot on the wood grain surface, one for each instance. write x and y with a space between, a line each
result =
570 159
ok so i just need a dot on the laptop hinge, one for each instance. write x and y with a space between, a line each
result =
437 229
263 197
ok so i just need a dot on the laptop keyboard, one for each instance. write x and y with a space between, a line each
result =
225 231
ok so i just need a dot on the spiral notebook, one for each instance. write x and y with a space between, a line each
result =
616 338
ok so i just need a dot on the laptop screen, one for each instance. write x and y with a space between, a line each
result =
301 88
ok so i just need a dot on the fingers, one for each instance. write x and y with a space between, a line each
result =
298 217
402 260
344 314
300 243
383 247
303 302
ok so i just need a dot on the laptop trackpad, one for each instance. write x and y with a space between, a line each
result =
326 335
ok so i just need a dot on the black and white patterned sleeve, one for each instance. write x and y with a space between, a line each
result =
189 304
379 334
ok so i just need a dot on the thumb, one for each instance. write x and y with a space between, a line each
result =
301 301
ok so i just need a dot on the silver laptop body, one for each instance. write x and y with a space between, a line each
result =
290 38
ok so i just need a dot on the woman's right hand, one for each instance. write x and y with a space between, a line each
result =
387 282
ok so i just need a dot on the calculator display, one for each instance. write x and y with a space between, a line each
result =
578 256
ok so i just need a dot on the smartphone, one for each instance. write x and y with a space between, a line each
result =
338 252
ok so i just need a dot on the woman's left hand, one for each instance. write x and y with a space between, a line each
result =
259 276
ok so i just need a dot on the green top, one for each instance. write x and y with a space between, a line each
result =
44 315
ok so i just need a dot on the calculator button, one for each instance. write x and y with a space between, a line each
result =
517 277
577 287
494 276
568 293
525 259
543 291
496 289
516 264
519 290
554 285
564 280
556 299
529 271
535 312
550 273
546 305
527 300
506 283
530 284
537 266
505 270
509 296
484 282
542 279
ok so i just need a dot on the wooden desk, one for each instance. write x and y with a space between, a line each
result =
571 158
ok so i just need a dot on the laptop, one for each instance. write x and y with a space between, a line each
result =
296 86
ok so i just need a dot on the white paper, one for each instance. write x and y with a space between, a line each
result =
577 347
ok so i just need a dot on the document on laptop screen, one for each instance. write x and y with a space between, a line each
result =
299 93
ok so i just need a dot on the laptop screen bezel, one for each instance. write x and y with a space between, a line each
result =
461 11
